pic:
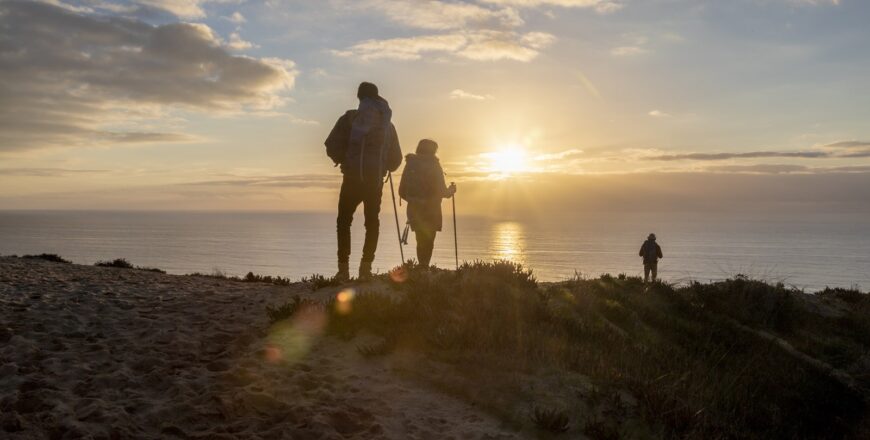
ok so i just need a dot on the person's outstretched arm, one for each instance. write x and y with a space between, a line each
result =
446 191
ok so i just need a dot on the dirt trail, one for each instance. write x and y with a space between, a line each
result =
114 353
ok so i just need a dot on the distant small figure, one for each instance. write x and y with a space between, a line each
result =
651 252
423 186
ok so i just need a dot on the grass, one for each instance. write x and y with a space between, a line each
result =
250 277
551 420
48 257
318 281
122 263
291 308
118 262
733 359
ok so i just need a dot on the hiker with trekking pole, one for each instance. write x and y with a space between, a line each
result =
365 144
423 187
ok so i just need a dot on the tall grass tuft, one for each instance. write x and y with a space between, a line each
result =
122 263
318 281
551 420
54 258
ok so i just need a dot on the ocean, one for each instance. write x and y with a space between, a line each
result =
808 252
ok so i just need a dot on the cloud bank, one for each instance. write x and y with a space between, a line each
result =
470 31
74 78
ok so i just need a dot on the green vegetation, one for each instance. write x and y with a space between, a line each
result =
119 263
249 278
48 257
613 357
318 281
551 420
122 263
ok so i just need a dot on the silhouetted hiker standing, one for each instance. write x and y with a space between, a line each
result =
364 142
651 252
423 186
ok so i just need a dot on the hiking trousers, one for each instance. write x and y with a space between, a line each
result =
425 245
650 267
353 192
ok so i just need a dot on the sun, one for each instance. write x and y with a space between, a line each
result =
509 159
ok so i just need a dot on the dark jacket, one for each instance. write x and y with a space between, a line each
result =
364 141
423 186
650 251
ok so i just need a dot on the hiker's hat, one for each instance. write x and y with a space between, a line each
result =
651 236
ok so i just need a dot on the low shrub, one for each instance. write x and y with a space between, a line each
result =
119 263
318 281
122 263
48 257
551 420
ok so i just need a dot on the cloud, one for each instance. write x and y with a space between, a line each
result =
410 48
627 51
786 169
133 137
560 156
849 149
815 2
600 6
189 9
474 31
758 169
659 114
181 8
745 155
484 45
280 181
848 144
237 43
440 15
236 17
462 94
46 172
74 79
500 45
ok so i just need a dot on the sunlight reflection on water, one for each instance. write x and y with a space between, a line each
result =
508 242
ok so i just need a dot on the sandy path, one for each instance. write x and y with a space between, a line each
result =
113 353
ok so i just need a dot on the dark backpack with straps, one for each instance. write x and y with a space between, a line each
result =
339 138
419 180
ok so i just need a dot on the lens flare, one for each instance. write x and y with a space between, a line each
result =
399 274
344 301
290 340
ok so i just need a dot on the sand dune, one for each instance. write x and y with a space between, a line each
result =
113 353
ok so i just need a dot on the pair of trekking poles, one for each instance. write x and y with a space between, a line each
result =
404 239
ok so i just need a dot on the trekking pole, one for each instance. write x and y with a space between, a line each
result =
455 239
396 214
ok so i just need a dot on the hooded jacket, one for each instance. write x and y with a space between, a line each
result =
423 187
650 251
373 145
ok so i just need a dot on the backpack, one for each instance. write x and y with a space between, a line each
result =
650 251
338 139
418 181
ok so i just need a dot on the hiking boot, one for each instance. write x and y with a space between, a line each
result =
365 270
343 274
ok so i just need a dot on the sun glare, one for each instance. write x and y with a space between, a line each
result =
510 159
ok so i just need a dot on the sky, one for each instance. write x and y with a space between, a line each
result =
546 105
